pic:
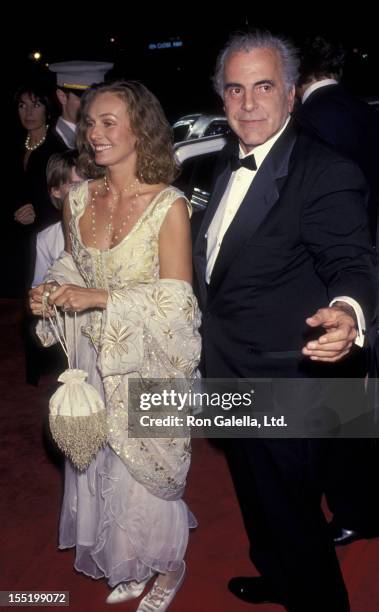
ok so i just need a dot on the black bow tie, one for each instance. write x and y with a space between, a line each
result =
246 162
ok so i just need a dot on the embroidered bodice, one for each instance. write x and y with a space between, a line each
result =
135 258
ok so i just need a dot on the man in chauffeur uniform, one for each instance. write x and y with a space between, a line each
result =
283 250
73 79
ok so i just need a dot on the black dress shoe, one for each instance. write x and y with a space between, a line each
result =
342 536
254 590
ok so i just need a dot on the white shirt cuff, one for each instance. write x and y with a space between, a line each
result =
359 340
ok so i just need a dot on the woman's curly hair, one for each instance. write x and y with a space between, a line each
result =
154 142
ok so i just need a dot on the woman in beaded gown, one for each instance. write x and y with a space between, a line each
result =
127 273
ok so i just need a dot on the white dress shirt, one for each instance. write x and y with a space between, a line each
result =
317 85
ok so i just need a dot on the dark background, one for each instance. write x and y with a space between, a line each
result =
180 77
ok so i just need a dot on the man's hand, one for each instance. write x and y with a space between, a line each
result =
25 214
339 337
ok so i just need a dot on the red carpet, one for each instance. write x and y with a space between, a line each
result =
31 489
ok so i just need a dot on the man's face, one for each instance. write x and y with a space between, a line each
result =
256 100
70 105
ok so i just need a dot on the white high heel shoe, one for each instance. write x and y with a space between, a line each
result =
125 591
159 599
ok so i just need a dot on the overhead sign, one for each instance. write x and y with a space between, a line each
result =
171 44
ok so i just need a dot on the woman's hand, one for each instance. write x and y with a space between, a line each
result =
38 299
72 298
25 214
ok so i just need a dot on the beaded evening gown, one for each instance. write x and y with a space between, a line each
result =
125 515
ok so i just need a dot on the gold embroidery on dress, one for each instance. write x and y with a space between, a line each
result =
115 339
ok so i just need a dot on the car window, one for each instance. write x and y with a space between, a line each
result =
217 127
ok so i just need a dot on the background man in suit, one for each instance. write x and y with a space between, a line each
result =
329 112
73 78
284 235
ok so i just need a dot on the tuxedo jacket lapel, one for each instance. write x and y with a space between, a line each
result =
259 200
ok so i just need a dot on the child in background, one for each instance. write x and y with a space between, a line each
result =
60 174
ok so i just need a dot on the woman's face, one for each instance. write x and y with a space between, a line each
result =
109 132
32 112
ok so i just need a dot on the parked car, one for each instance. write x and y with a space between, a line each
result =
197 159
199 126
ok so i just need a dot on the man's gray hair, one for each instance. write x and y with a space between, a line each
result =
258 40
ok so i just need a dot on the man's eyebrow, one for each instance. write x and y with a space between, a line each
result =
227 85
257 83
265 82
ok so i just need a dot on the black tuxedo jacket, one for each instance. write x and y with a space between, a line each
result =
299 239
350 126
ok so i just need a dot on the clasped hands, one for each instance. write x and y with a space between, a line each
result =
340 334
70 298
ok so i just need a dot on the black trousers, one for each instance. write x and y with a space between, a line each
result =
351 481
279 485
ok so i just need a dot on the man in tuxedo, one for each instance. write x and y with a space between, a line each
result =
329 112
283 251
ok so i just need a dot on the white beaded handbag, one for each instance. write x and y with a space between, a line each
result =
77 412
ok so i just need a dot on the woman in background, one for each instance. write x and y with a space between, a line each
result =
29 209
34 107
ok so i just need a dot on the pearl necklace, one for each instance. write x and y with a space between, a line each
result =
110 229
30 147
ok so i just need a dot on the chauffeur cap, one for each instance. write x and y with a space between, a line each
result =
79 76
